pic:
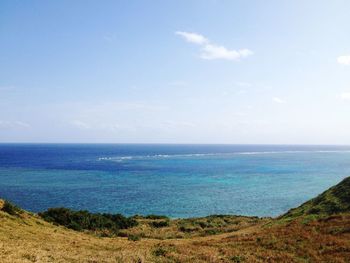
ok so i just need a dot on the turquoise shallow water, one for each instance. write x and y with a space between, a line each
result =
175 180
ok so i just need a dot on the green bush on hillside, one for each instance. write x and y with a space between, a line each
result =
158 224
333 201
11 208
84 220
155 217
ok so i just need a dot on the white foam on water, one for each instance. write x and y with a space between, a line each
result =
163 156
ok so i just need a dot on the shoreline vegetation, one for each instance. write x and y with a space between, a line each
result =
316 231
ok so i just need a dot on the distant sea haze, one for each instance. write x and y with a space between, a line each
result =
173 180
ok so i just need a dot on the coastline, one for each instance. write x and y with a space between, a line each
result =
316 231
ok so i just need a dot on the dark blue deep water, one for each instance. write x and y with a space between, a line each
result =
174 180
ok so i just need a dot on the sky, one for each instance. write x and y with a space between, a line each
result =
184 71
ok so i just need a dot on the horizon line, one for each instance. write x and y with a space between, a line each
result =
181 143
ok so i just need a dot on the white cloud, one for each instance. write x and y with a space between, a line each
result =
220 52
345 96
210 51
193 37
278 100
14 125
112 116
103 125
344 60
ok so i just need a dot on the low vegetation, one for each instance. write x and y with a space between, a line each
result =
10 208
333 201
84 220
317 231
190 227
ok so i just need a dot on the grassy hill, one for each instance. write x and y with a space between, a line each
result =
333 201
325 237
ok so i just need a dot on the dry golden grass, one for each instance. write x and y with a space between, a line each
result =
310 233
323 240
193 227
27 238
30 239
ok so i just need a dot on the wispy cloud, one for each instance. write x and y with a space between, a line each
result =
193 37
14 125
345 96
278 100
344 60
111 116
104 125
220 52
210 51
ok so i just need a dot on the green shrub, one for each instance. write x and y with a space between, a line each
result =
160 252
159 224
134 237
84 220
156 217
212 231
237 259
188 228
11 208
203 224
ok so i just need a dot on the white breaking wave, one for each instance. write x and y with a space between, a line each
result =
163 156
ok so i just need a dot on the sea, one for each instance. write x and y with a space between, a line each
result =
176 180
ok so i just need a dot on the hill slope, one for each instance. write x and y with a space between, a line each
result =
333 201
26 237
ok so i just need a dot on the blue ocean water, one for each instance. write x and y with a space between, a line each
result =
173 180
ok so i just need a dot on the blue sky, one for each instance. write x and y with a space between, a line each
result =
194 71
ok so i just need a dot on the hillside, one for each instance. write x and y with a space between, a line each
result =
26 237
333 201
